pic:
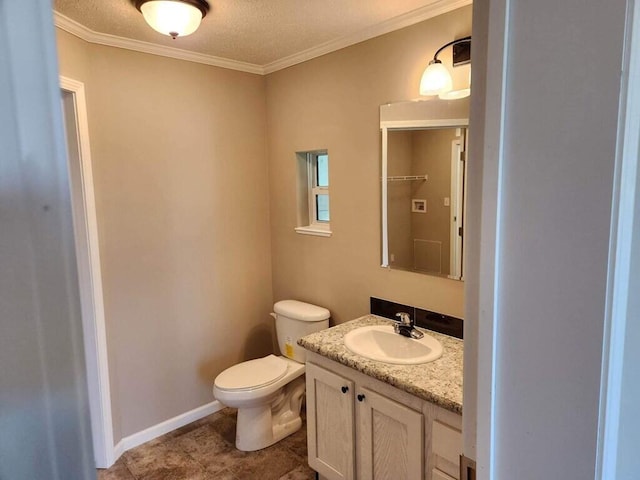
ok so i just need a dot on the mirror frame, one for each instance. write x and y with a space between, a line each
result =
390 122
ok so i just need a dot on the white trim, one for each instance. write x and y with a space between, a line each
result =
624 213
438 7
424 124
419 205
311 225
118 449
94 329
418 15
314 190
314 230
456 208
490 234
385 212
88 35
132 441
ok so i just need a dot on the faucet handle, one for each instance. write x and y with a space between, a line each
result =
405 318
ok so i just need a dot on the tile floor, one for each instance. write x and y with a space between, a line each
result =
204 450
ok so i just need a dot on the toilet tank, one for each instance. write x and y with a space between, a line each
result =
294 320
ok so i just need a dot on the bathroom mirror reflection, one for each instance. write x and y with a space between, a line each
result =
423 185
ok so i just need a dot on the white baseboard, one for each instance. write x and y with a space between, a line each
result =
167 426
118 450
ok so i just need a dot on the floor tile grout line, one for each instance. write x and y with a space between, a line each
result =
129 470
204 469
126 464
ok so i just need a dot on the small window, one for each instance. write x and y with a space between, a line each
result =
313 193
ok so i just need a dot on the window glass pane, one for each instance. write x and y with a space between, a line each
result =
322 170
322 208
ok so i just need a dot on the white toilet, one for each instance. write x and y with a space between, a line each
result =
268 391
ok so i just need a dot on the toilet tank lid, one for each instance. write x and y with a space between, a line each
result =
301 311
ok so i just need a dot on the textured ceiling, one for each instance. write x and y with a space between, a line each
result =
254 31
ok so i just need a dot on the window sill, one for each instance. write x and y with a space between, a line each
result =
311 230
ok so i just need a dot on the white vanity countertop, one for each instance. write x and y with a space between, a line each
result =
439 382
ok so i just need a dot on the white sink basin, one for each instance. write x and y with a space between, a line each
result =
381 343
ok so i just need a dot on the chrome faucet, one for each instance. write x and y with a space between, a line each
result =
406 327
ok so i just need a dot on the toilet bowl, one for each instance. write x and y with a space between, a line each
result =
268 391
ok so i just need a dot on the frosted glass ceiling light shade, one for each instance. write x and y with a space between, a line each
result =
175 18
435 79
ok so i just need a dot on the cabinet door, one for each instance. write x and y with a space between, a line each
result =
438 475
330 424
446 446
390 438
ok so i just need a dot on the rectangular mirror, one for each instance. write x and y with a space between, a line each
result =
424 148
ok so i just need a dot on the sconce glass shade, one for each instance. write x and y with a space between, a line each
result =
172 17
436 79
456 94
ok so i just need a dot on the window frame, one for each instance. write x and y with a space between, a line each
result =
315 190
310 224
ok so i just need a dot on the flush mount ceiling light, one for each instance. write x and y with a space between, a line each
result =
176 18
436 79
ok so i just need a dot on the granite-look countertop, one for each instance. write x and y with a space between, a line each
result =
439 382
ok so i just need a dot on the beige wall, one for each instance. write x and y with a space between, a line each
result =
400 153
182 199
420 152
191 216
432 156
333 102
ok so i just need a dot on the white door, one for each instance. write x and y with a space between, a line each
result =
44 416
547 139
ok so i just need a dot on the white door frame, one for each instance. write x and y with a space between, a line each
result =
88 259
492 153
625 212
456 217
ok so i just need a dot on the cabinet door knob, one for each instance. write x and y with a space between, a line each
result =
344 389
360 397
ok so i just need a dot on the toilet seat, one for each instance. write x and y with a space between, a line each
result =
252 374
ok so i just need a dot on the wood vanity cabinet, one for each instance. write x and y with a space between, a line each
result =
359 428
330 423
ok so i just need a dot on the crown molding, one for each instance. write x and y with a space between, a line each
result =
418 15
436 8
88 35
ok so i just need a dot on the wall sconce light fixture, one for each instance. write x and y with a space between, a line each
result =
436 79
173 17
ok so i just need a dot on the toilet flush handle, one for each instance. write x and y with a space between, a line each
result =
273 314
